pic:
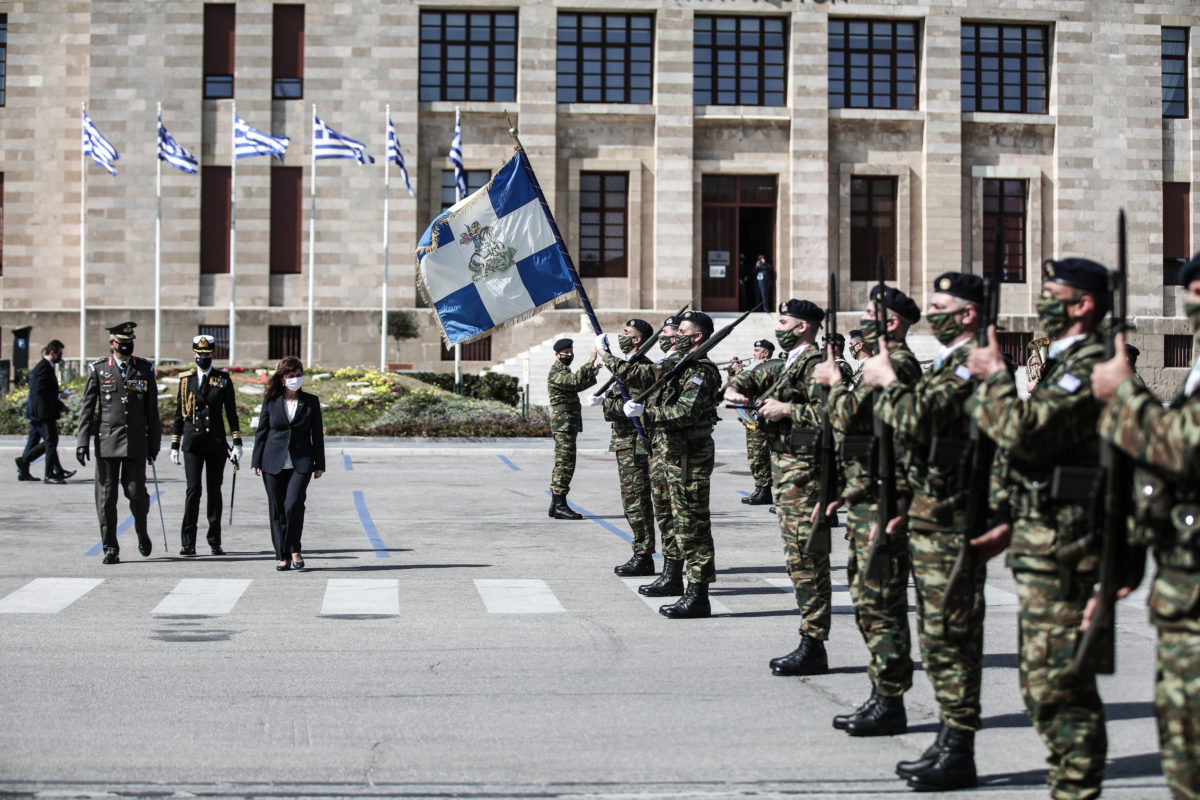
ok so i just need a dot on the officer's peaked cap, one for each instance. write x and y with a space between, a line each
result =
203 345
122 330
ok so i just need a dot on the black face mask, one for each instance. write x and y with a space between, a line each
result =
125 348
55 358
203 363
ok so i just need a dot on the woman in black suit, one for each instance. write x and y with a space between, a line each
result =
289 449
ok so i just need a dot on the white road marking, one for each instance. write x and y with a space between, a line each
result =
840 601
504 596
47 595
361 596
203 596
657 602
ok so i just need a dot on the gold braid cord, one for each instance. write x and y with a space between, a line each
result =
187 400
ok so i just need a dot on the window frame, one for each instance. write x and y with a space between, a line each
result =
286 220
215 183
1176 217
574 67
439 38
709 56
219 57
287 51
278 337
1174 347
973 100
604 268
220 335
1183 60
890 270
1002 216
847 54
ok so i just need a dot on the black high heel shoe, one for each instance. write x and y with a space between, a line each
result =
298 564
283 567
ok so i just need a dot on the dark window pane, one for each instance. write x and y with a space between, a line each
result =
1174 72
873 227
1021 72
873 50
1004 209
452 69
743 47
603 202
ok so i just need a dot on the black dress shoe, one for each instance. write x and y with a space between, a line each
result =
886 718
217 550
809 658
110 558
65 473
144 546
53 479
298 564
187 551
283 567
639 565
841 720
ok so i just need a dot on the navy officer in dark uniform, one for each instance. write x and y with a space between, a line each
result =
120 412
205 401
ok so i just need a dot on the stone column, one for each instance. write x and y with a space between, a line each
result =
942 191
673 275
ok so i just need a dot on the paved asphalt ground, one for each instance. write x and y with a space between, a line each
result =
449 640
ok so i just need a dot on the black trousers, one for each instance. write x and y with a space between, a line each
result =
130 475
286 491
212 464
43 438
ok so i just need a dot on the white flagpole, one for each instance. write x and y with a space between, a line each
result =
312 225
383 328
232 233
82 244
458 194
158 245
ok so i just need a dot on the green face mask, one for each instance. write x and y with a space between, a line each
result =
787 339
945 324
870 334
683 342
625 343
1052 316
665 343
566 360
1193 314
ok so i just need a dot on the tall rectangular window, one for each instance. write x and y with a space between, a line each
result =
283 341
478 350
285 220
1174 72
1004 211
1004 68
1015 344
1176 224
220 335
739 61
1177 350
872 64
872 227
605 58
214 220
219 21
468 55
3 56
287 52
476 178
603 224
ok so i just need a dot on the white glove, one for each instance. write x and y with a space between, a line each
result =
236 455
633 409
175 458
602 342
596 400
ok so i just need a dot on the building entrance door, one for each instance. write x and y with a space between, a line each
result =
737 225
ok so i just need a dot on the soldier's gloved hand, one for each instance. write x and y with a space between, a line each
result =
236 455
82 454
596 400
602 342
632 409
175 459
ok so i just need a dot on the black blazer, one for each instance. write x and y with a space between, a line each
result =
303 437
43 404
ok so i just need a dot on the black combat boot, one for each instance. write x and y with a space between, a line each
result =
669 583
841 720
906 768
639 565
807 659
954 766
886 718
560 510
693 605
761 497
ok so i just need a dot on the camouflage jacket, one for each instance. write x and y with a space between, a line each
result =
794 385
852 414
1055 426
933 407
686 404
566 412
624 436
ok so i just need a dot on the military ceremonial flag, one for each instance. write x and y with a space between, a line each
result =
99 148
249 142
494 258
328 143
173 152
396 156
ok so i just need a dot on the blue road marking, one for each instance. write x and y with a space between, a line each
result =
603 523
347 463
368 526
743 494
125 525
511 465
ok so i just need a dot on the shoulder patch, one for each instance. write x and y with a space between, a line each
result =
696 379
1069 383
962 372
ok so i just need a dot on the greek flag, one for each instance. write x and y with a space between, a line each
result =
328 143
99 148
395 156
174 153
494 258
248 142
460 175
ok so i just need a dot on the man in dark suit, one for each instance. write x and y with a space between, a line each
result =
205 401
120 412
43 410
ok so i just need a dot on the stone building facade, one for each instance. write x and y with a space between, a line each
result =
710 176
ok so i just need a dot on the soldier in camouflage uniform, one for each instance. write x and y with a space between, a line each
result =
682 414
790 415
935 408
758 454
1167 442
566 421
1048 550
880 607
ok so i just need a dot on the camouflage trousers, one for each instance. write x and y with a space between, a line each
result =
660 494
880 607
759 456
1066 710
1177 706
688 464
633 470
951 644
564 461
796 490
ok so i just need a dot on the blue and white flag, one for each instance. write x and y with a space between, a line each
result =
395 156
174 153
248 142
492 259
328 143
99 148
455 159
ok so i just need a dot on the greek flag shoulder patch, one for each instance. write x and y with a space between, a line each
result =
962 372
696 379
1069 383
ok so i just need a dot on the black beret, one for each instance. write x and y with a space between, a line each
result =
671 322
898 302
563 344
856 334
699 319
801 309
641 326
1081 273
765 345
960 284
1190 271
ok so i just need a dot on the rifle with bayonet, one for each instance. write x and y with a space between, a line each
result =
819 537
643 348
878 566
694 354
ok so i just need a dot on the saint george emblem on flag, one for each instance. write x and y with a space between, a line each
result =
396 156
174 153
493 259
328 143
249 142
99 148
455 159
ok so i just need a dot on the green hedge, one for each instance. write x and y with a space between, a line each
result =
491 386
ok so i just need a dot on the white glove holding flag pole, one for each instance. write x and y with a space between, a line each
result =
175 459
632 409
236 455
602 342
594 401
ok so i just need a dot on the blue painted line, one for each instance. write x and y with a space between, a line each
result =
125 525
347 463
36 460
603 523
368 526
743 494
511 465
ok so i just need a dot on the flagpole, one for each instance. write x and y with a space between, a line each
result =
459 195
386 178
158 244
232 233
312 224
82 243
